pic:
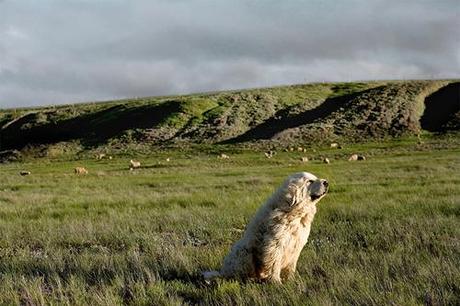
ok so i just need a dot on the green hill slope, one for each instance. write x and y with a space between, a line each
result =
298 113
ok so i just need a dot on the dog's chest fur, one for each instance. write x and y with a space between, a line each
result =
298 230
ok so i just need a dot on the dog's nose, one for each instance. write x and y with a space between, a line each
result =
325 183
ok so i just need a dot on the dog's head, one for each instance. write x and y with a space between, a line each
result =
304 187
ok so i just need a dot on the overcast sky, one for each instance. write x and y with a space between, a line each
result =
61 51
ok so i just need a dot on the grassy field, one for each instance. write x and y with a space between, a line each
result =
387 233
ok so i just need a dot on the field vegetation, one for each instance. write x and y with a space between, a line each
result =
387 233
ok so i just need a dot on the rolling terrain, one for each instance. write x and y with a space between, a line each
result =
387 233
301 114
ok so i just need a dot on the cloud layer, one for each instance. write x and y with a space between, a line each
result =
54 51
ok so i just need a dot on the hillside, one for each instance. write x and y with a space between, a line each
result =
279 115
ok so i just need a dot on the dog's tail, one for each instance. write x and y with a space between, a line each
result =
210 275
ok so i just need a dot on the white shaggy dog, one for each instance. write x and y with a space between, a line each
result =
273 240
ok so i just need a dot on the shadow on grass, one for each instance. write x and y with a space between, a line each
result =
440 108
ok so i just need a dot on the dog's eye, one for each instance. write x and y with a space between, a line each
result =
311 181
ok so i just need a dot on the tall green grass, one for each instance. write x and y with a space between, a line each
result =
387 233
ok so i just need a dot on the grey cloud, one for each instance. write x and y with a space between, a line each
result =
86 50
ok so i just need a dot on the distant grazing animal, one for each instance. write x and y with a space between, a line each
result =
100 156
80 170
134 164
24 173
224 156
273 240
356 157
304 159
353 157
270 154
168 159
326 160
300 149
334 145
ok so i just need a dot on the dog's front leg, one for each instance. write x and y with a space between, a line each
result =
273 258
275 275
289 271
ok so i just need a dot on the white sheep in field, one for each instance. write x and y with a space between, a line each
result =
134 164
24 173
355 157
80 170
326 160
100 156
304 159
224 156
270 154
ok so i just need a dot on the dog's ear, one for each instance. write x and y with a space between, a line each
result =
297 191
292 194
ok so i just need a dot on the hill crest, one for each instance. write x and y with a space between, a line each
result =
286 114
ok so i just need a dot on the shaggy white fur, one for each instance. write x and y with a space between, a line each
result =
273 240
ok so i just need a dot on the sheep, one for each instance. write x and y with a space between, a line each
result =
223 156
100 156
304 159
134 164
270 154
24 173
334 145
326 160
355 157
80 170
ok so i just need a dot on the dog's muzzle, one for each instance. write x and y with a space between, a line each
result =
324 189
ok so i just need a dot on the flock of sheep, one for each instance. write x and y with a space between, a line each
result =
304 159
135 164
